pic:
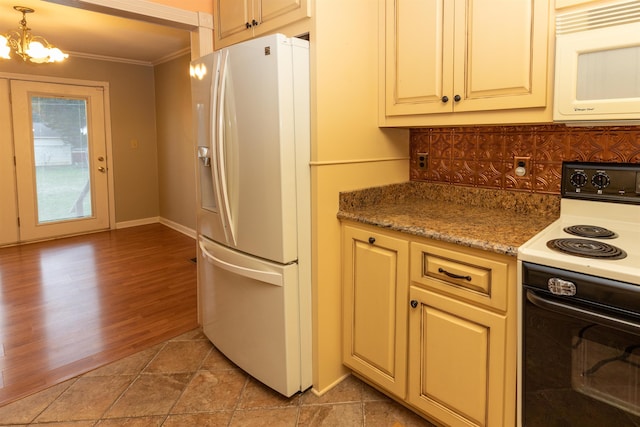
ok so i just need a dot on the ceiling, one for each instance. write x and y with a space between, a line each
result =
90 34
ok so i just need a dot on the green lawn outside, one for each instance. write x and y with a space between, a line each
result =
58 189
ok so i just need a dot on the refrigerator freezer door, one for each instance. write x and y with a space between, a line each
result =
250 312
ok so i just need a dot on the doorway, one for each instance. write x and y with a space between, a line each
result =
59 151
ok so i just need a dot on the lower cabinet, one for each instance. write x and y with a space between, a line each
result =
456 360
375 291
432 324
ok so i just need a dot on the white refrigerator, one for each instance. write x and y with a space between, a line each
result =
251 110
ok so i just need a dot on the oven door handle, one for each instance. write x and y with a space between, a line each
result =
580 313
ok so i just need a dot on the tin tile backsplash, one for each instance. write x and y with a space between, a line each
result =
486 156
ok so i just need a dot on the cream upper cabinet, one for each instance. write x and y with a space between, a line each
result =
375 296
568 3
445 56
239 20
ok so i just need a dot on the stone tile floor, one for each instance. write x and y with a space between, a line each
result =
185 381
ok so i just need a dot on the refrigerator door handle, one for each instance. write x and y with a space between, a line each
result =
259 275
221 154
212 151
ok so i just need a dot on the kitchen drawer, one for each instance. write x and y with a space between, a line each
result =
481 278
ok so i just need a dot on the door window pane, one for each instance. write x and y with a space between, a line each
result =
61 158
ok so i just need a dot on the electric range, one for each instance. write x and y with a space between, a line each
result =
579 304
602 202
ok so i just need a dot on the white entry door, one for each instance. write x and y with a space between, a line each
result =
60 159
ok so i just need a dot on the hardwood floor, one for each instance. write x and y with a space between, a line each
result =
68 306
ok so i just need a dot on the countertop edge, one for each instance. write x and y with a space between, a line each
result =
434 234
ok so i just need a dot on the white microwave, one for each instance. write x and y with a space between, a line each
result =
597 69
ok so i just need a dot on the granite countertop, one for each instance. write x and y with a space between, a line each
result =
494 220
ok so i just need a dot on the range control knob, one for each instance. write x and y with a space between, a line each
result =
600 180
578 179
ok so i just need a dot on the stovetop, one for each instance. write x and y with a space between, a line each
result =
602 199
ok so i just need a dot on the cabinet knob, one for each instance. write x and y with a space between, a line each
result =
445 99
457 98
372 240
254 23
246 24
414 303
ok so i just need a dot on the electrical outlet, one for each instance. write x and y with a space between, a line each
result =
522 165
423 161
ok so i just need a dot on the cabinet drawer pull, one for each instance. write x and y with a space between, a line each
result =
454 276
372 240
414 303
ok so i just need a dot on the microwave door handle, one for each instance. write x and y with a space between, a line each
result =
580 313
221 173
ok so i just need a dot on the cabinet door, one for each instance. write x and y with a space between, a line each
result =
232 17
375 298
419 56
456 361
240 20
272 14
500 58
465 53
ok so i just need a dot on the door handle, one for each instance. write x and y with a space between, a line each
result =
102 169
264 276
589 315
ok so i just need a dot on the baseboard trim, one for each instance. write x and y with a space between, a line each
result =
179 227
330 386
137 222
157 219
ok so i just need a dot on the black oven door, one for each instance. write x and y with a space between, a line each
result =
581 364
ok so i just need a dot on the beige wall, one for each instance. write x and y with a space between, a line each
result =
176 164
349 151
132 110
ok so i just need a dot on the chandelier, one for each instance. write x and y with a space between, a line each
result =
27 46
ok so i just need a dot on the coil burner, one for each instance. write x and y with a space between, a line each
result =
591 231
587 248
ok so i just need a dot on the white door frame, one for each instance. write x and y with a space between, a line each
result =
32 227
107 124
9 211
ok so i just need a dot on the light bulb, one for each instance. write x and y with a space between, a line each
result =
37 51
4 48
56 55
